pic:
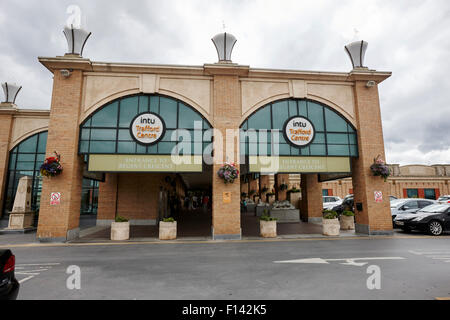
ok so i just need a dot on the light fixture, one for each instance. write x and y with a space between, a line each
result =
66 73
371 84
11 91
224 43
356 52
76 39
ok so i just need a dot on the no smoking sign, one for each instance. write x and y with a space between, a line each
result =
55 199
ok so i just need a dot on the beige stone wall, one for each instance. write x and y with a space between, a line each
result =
102 88
26 124
258 92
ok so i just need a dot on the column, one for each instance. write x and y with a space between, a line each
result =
61 222
6 122
371 217
264 182
107 200
227 116
279 180
311 206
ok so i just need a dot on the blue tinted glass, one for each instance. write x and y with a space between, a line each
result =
319 138
141 149
280 114
318 150
334 121
338 150
168 111
43 142
12 161
152 149
25 165
103 147
103 134
143 104
187 117
124 135
85 134
305 151
353 139
154 104
315 114
350 129
88 123
128 111
166 147
26 156
29 145
293 108
302 108
295 151
126 147
337 138
261 119
107 117
168 136
84 146
353 150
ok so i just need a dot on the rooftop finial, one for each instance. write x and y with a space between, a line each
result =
224 43
75 35
357 52
11 90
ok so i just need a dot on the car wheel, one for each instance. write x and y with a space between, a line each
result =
406 229
435 228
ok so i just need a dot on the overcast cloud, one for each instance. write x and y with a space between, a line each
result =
411 38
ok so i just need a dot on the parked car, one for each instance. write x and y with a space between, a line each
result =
405 206
392 198
9 286
346 205
331 201
444 199
434 219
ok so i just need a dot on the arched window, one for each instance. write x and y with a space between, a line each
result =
107 131
335 136
25 160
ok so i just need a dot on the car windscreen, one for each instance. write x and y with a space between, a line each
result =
438 208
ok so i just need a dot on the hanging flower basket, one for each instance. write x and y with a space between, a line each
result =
52 166
229 172
380 169
284 187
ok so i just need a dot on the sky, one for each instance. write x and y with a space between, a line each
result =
411 38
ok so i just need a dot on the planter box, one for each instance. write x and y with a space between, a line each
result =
167 230
251 208
268 229
20 221
286 215
120 231
260 210
347 223
331 227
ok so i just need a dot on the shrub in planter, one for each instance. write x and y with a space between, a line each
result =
168 229
347 220
120 229
284 187
330 224
268 227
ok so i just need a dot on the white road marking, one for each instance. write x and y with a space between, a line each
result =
443 255
35 270
26 279
348 261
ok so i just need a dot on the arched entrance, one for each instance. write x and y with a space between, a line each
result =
146 181
287 148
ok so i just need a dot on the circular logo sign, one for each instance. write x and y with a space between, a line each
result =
147 128
299 131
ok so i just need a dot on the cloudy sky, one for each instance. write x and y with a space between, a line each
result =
411 38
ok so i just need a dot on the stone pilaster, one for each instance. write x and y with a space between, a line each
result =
372 217
311 205
61 222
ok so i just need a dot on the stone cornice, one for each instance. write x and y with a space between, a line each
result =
77 63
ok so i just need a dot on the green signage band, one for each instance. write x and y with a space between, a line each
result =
144 163
299 164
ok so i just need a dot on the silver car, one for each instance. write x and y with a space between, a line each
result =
405 206
329 202
444 199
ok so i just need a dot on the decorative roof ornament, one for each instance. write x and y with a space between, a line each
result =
224 43
76 39
357 52
11 91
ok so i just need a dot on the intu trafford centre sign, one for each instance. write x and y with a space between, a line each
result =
147 128
299 131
